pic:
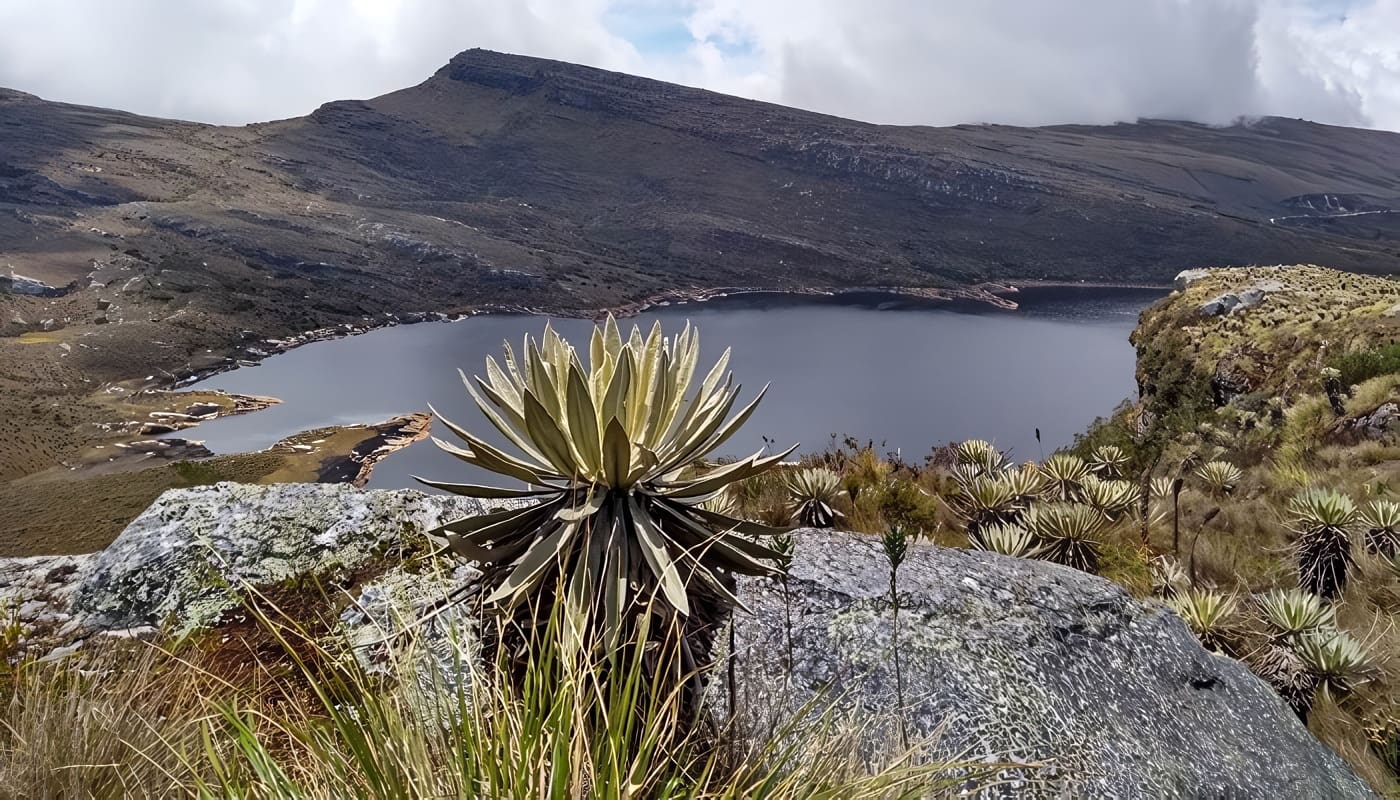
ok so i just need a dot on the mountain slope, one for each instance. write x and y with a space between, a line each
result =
521 182
502 173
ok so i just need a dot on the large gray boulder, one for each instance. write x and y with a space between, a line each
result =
1021 661
1004 660
183 561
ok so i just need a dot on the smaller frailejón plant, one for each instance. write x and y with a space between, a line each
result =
1219 477
1068 533
614 524
1291 616
1010 539
1323 519
1113 498
1205 613
1108 461
1336 659
814 492
1382 519
1064 476
987 500
982 456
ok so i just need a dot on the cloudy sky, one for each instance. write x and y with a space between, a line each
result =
899 61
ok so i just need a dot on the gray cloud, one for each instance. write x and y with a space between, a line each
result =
900 61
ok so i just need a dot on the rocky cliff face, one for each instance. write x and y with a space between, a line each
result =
1022 662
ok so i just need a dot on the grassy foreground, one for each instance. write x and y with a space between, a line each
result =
135 720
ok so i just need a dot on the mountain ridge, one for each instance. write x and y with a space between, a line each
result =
165 248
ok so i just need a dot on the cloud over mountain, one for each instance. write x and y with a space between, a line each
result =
900 61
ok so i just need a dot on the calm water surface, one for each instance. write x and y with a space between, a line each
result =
911 378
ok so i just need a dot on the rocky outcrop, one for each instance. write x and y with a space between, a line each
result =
1022 662
1375 424
182 561
19 284
1236 302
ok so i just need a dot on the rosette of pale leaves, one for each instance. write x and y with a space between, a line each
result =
1323 520
1169 578
981 455
1205 612
1219 477
1162 487
987 500
1382 518
813 493
1290 614
1108 461
1026 483
1008 540
615 520
1067 532
1064 477
1113 497
1338 661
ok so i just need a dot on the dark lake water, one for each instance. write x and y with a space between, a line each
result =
908 377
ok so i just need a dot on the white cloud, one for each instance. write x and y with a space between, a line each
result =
904 61
250 60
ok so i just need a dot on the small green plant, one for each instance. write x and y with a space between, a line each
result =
1356 367
196 473
1323 520
1206 614
895 543
1219 477
784 545
814 492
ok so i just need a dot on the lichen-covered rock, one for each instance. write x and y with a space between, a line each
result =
1377 423
1186 277
1023 661
182 561
1006 660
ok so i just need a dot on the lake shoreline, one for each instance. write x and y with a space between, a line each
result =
985 296
868 297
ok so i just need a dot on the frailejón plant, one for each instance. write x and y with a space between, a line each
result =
1382 518
1323 520
613 521
813 492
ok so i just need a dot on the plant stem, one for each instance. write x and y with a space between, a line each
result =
898 666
